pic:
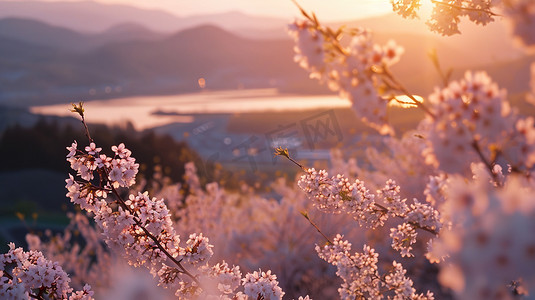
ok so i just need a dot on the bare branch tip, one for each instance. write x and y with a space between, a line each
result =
78 108
282 152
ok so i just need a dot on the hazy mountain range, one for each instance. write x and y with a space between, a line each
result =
93 17
43 34
130 51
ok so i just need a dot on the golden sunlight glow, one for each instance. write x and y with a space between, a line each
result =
405 101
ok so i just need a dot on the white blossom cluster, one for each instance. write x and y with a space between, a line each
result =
402 239
79 250
361 276
355 71
228 279
336 194
29 275
472 118
263 285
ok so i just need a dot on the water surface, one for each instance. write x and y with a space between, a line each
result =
152 111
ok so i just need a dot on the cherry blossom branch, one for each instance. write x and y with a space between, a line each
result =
305 214
104 174
417 226
152 237
320 52
414 224
382 278
378 208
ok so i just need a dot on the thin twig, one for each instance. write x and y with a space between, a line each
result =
87 130
304 214
284 152
432 54
404 90
79 109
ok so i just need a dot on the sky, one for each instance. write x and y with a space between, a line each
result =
328 10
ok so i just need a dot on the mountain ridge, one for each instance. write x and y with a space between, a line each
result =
130 59
80 16
44 34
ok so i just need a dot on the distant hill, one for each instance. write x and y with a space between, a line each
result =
29 71
199 52
39 33
81 16
127 31
43 34
239 23
17 50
